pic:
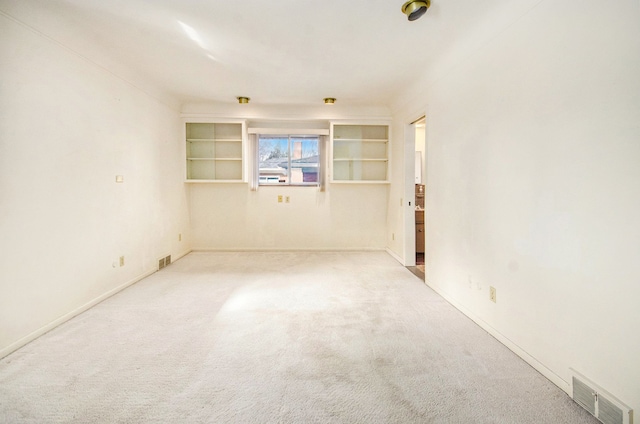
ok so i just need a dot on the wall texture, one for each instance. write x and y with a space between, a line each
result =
533 187
67 128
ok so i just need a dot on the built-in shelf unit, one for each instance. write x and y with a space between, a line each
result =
359 153
215 151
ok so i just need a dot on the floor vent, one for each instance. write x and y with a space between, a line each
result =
598 402
166 261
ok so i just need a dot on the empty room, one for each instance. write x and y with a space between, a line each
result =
380 211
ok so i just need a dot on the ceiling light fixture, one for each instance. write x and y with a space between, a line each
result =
415 8
329 101
243 100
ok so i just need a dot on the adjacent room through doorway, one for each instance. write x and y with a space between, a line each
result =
417 132
420 171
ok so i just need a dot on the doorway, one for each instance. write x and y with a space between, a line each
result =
420 191
415 190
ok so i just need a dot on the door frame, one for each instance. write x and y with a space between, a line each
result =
409 248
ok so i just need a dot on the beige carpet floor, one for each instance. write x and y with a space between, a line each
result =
276 338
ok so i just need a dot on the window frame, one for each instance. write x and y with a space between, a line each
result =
290 161
322 135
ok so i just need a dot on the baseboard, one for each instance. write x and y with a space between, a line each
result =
537 365
182 255
45 329
276 249
395 256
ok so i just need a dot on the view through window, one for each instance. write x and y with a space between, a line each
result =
288 160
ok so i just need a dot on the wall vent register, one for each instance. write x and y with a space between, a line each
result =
164 262
598 402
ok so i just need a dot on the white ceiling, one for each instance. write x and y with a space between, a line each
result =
276 52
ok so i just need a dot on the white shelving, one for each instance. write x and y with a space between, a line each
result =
360 153
214 152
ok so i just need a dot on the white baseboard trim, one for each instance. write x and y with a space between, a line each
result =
537 365
181 255
45 329
395 256
276 249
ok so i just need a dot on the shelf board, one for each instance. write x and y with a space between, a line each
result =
216 159
219 140
362 140
240 181
359 160
360 182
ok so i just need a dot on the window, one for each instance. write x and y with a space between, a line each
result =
288 160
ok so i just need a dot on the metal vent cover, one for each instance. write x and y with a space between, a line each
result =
163 262
599 402
608 412
584 396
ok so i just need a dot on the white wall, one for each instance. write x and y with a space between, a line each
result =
67 128
421 145
230 216
533 187
344 217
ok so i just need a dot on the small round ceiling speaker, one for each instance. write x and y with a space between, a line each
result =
415 8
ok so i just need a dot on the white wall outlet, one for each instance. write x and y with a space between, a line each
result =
287 199
492 294
180 237
393 236
119 178
121 260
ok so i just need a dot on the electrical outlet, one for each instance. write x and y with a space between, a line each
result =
492 294
287 199
180 237
279 198
121 260
393 236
